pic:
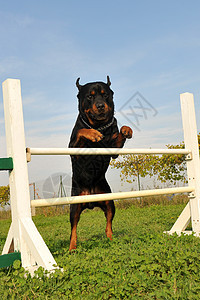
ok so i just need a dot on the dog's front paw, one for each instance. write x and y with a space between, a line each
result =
127 132
95 135
90 134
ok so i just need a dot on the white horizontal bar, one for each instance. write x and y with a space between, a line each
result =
110 196
103 151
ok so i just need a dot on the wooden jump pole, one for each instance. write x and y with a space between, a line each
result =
109 196
102 151
23 236
192 210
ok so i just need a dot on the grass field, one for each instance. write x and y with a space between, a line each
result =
140 263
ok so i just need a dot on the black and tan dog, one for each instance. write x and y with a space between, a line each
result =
95 127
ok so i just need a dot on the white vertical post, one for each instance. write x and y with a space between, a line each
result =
23 232
193 165
192 210
15 139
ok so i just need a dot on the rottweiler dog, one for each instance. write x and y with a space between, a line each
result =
95 127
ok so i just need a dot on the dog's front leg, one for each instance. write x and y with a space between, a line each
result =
87 134
125 133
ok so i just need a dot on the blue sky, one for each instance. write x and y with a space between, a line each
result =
150 47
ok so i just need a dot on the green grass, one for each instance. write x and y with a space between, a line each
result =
140 263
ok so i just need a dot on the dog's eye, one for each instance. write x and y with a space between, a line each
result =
92 93
105 96
102 92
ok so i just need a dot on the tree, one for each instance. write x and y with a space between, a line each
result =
134 166
171 168
165 167
4 195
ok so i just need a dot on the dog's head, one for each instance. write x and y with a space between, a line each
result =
96 101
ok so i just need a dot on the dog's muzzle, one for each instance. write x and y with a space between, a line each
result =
100 106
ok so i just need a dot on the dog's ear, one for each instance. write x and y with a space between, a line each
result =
79 86
108 81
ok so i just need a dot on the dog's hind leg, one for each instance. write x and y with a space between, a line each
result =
75 212
108 207
109 214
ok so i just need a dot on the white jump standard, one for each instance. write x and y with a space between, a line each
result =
24 237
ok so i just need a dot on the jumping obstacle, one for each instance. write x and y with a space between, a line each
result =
24 237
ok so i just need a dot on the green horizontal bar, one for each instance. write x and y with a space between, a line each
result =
6 164
7 260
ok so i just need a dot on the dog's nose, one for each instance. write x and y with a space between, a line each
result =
100 106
